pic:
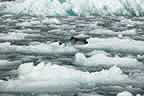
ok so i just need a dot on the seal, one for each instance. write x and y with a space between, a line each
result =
79 39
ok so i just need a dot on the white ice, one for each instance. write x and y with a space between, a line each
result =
124 93
78 7
102 59
65 74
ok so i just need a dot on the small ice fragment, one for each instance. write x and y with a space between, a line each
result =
124 93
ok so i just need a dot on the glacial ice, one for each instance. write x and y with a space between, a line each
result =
77 7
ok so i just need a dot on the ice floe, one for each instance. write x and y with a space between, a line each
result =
103 60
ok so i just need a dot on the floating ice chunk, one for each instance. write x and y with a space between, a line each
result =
114 44
35 22
120 36
103 60
89 94
1 81
96 52
107 76
53 72
81 36
2 62
46 49
125 93
28 23
114 40
59 79
47 95
25 69
39 49
31 86
5 44
34 43
80 58
51 21
24 24
107 32
138 95
13 36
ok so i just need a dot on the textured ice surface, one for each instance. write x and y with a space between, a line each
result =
58 79
125 93
53 72
102 59
74 7
59 28
114 44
